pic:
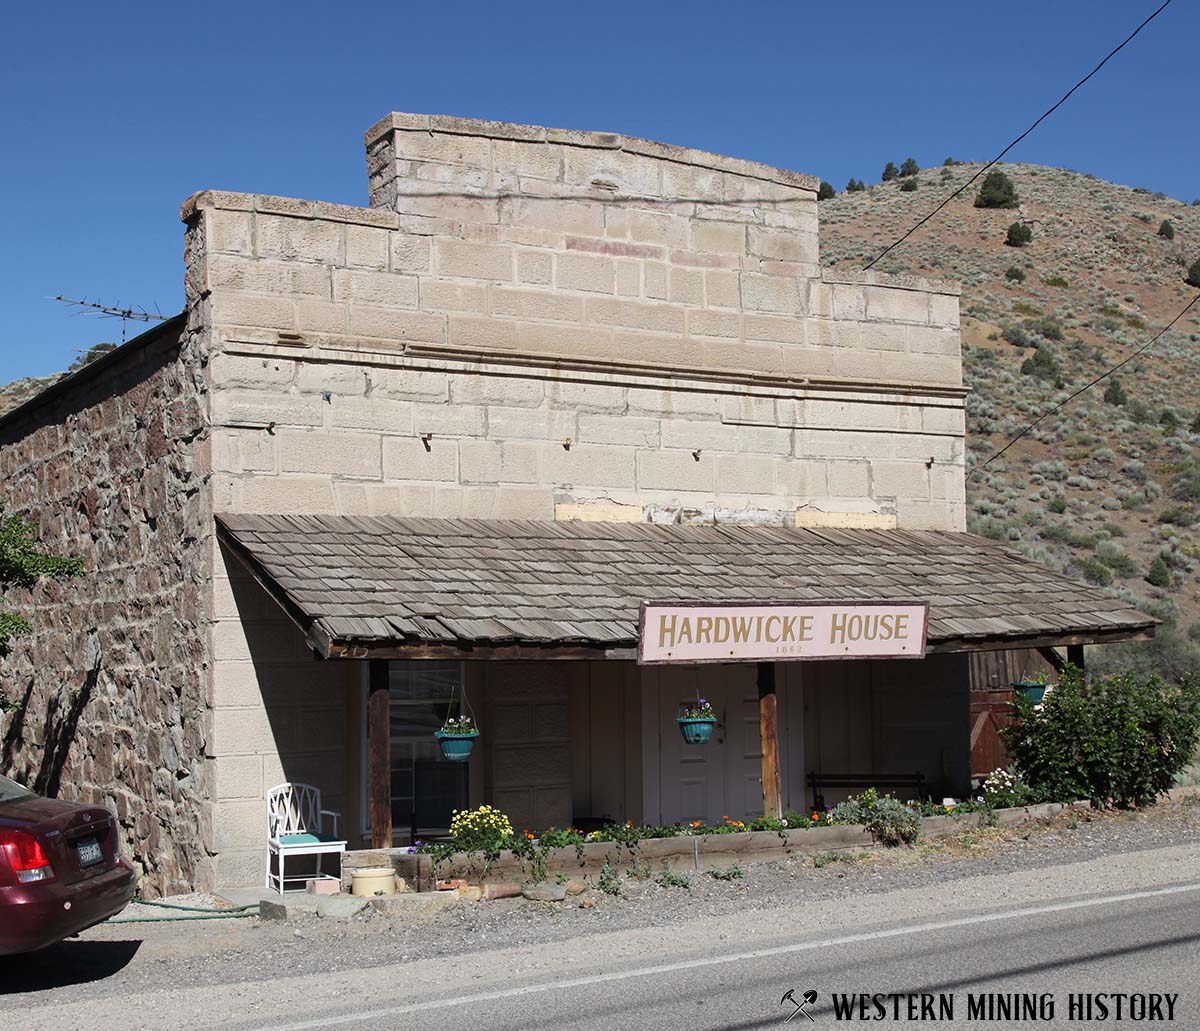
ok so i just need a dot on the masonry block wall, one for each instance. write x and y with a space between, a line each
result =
111 688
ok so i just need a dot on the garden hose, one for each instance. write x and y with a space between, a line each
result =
232 913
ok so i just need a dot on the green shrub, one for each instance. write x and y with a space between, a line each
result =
1042 364
609 880
1114 393
1056 280
1169 420
889 821
1095 571
727 873
1166 230
671 879
1118 741
1195 427
890 172
1058 504
1019 234
825 191
1158 575
1193 276
1014 274
1004 789
997 191
910 167
908 186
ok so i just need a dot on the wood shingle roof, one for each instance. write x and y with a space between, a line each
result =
405 583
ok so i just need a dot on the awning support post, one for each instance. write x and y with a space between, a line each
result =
768 730
379 763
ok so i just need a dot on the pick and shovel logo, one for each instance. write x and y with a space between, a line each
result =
807 999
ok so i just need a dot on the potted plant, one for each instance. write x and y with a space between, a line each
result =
1033 688
457 738
696 721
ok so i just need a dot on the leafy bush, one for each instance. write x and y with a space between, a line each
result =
888 820
1014 274
1114 393
1166 230
609 880
1042 364
1117 741
997 191
890 172
1095 571
1019 234
1056 280
671 879
485 829
1193 276
910 167
908 186
825 191
727 873
1159 575
1003 789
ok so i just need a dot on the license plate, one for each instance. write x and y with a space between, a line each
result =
89 852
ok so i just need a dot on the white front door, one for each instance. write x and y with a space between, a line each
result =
721 778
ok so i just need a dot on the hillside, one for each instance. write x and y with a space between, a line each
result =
1102 489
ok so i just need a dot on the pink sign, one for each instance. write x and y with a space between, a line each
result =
778 631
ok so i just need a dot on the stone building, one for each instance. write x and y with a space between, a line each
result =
442 446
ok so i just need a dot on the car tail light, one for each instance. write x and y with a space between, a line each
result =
26 857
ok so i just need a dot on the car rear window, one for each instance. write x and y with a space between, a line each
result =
10 790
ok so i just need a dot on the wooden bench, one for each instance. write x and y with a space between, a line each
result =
862 781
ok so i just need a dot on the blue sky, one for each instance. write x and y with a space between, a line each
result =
114 113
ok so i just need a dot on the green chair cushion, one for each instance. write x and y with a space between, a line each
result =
306 839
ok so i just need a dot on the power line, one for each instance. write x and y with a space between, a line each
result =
1087 386
1062 100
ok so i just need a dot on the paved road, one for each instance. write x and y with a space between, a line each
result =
1091 928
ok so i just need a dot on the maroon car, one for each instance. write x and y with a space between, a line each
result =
60 871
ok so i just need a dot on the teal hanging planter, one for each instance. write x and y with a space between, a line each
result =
1031 690
696 730
456 747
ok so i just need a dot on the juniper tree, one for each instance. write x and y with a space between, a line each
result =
1166 230
910 167
1193 276
1019 235
890 172
997 191
825 191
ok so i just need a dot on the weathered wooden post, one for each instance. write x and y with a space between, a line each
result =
379 764
768 729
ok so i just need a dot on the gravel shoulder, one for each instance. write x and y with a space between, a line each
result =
980 864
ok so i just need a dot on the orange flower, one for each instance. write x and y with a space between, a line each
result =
816 816
529 836
695 823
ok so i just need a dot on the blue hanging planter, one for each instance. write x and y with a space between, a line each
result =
696 730
456 747
1032 690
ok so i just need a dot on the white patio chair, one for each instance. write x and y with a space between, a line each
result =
294 825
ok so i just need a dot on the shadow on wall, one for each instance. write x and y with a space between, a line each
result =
59 728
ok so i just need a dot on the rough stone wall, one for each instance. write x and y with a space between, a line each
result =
112 683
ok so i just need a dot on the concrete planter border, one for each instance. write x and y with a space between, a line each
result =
693 852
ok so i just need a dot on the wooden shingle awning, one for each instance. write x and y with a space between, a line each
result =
387 587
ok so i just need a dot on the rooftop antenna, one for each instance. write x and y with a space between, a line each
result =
111 311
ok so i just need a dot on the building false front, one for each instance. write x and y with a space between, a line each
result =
626 343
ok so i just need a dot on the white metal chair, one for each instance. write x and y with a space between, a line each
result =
294 825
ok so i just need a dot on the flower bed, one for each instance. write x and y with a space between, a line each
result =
685 847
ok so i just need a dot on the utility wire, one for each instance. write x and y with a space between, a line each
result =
1112 53
1087 386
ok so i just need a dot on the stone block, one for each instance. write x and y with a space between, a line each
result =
512 391
628 278
586 397
887 304
449 420
535 268
774 328
397 324
746 474
385 289
655 282
321 886
565 339
555 425
771 294
849 479
410 458
238 776
782 244
319 316
882 336
309 495
705 323
410 384
482 332
849 302
686 286
230 231
944 310
343 454
625 429
588 465
662 318
340 907
721 289
718 237
236 684
366 247
545 892
500 890
676 470
379 414
535 304
330 377
578 218
444 147
673 404
409 253
540 160
234 370
703 435
488 461
472 260
523 503
933 340
764 440
234 309
900 480
437 295
226 271
299 238
747 356
573 271
612 169
929 369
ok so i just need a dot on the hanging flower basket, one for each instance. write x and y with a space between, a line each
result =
696 721
1032 690
457 738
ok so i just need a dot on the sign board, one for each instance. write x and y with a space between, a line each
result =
687 632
